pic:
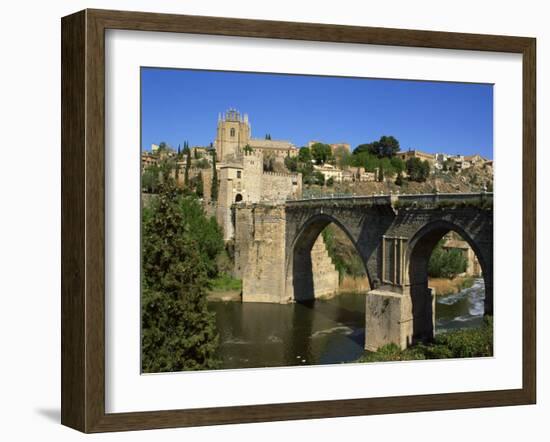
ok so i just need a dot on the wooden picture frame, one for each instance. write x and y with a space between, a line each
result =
83 220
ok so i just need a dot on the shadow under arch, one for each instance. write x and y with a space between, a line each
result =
299 274
419 251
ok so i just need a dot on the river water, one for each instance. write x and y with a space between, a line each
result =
320 332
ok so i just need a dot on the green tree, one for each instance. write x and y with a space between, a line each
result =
417 169
150 178
291 163
446 263
321 153
187 165
214 191
363 148
248 149
386 146
365 159
304 155
397 164
199 189
178 331
318 178
386 167
330 182
306 169
342 157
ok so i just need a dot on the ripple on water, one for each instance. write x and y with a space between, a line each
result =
463 309
343 330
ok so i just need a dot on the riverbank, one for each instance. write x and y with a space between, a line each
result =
446 286
225 288
224 296
354 284
465 343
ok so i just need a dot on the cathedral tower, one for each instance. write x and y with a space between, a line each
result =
232 136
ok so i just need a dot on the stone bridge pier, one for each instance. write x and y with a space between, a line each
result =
393 235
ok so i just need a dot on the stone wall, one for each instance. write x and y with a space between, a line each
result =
396 243
278 187
261 257
325 276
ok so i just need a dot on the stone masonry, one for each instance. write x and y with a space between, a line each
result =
394 235
325 276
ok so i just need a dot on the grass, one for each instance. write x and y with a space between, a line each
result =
466 343
446 286
467 282
225 282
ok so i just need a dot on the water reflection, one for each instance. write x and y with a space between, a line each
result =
318 332
273 335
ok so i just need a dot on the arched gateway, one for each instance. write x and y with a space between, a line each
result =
393 235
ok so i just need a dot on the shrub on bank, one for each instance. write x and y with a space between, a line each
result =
466 343
225 282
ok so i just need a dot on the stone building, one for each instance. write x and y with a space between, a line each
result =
359 174
329 171
241 175
234 135
431 158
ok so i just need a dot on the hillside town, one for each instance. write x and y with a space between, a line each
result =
238 168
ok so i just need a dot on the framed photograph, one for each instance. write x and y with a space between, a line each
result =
269 220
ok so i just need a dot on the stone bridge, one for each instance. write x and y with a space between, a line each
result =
393 234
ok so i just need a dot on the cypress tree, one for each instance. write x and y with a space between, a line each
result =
214 191
187 167
178 331
199 190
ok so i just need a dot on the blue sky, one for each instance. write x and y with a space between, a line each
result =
183 105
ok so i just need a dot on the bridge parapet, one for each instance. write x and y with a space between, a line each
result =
480 199
428 200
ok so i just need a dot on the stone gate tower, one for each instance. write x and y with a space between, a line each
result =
232 136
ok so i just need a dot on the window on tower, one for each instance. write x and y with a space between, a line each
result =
232 132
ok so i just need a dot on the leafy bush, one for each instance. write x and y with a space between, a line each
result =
446 263
417 169
469 343
466 343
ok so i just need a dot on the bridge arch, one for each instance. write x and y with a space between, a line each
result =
419 251
299 276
